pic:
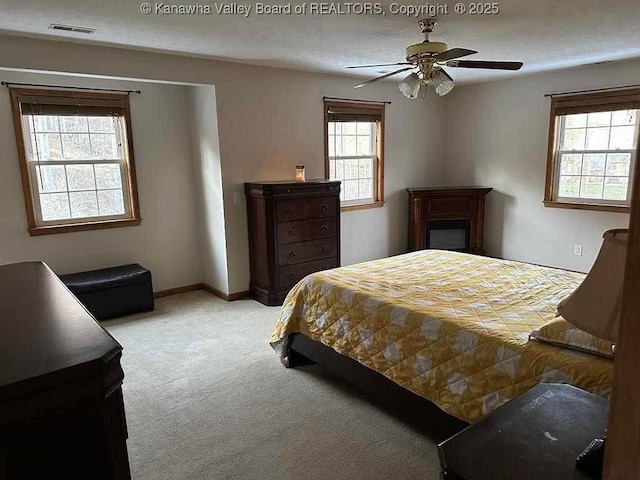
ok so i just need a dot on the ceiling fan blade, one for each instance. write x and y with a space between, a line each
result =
445 73
454 53
383 76
382 65
483 64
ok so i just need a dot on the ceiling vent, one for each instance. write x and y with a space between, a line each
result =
71 29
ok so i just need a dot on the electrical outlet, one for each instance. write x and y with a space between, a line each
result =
237 198
577 250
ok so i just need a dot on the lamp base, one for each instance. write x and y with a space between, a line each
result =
591 460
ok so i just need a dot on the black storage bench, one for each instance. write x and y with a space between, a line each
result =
113 292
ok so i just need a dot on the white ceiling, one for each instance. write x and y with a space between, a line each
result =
544 34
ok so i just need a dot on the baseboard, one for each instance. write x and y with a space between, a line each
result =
201 286
229 297
238 296
177 290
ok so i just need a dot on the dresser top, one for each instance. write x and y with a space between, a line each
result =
291 183
292 189
45 330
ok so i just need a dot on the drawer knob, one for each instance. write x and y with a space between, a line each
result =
324 228
291 209
325 249
291 233
292 275
324 207
292 254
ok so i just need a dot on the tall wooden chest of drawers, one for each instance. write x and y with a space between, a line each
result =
294 230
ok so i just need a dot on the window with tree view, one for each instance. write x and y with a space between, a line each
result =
354 151
594 152
77 159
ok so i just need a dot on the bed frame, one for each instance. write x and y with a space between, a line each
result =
414 410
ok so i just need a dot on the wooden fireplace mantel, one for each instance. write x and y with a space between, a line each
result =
446 203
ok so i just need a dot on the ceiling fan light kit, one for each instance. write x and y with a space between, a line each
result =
427 60
441 82
410 86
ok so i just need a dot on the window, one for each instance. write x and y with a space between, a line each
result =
593 145
76 160
354 152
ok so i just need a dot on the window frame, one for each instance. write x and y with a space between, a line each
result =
587 103
378 167
36 226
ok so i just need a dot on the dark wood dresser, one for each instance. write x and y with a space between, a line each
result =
294 230
447 218
61 407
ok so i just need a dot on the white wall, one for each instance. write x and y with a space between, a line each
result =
273 120
270 120
167 240
496 136
208 186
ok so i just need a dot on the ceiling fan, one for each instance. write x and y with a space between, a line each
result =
427 60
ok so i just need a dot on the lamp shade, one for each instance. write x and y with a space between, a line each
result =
595 306
441 82
410 85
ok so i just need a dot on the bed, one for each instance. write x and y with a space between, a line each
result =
451 328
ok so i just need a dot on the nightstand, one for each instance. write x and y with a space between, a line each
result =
537 435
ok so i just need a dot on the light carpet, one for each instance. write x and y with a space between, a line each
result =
206 398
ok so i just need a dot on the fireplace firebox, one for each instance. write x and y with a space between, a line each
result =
447 218
448 234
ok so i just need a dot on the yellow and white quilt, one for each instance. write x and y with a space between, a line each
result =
451 327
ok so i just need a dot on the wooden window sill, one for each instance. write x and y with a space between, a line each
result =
361 206
588 206
81 227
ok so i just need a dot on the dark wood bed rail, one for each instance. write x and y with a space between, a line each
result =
408 407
